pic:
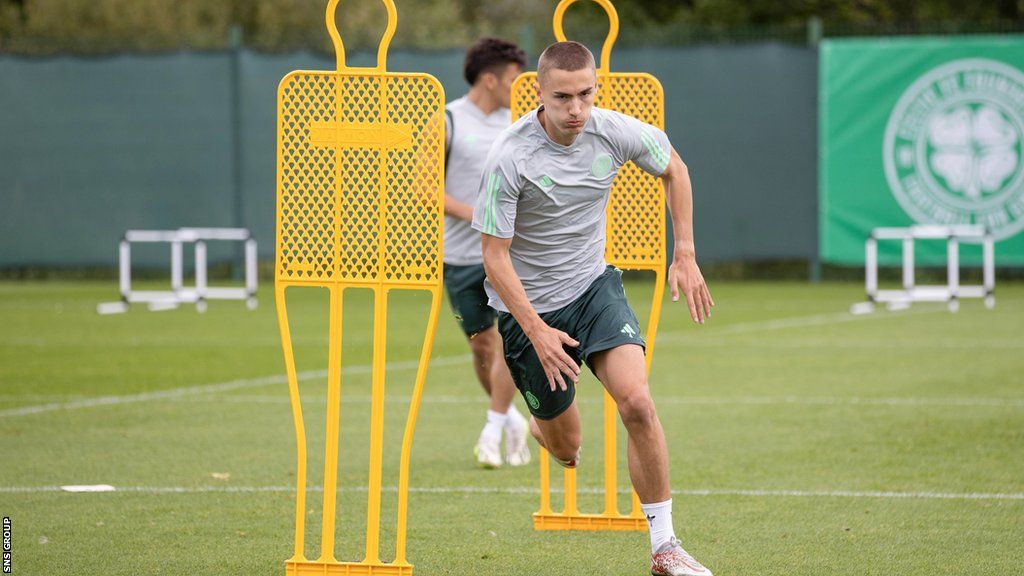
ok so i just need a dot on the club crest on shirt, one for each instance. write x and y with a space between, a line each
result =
602 165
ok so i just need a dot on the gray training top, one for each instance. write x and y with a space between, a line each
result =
550 199
470 134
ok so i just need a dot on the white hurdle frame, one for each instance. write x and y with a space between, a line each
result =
179 293
953 291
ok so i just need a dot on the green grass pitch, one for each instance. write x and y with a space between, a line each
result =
803 440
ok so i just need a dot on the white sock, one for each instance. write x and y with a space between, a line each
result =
514 417
495 422
659 521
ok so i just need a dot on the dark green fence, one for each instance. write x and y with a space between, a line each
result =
92 146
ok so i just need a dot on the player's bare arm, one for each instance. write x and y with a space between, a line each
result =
460 210
684 275
452 205
547 341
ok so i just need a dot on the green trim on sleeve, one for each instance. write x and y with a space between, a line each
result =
658 156
487 204
490 214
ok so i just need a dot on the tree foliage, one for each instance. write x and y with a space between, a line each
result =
104 25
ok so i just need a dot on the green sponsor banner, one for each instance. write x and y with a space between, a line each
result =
921 131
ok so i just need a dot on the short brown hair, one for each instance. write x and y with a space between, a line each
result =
569 56
490 54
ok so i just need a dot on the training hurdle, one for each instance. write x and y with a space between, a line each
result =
360 205
952 291
635 240
179 293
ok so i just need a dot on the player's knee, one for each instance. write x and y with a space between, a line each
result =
637 409
482 344
566 449
567 459
570 462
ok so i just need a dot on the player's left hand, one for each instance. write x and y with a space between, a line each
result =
684 276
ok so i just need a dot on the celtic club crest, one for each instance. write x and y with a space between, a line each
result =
953 146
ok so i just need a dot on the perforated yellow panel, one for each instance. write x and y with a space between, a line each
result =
360 204
636 210
360 182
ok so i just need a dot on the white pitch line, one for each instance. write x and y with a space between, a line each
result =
790 322
144 396
175 393
663 338
966 346
884 495
858 494
673 400
841 401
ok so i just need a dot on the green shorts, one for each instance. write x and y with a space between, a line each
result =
465 286
600 319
